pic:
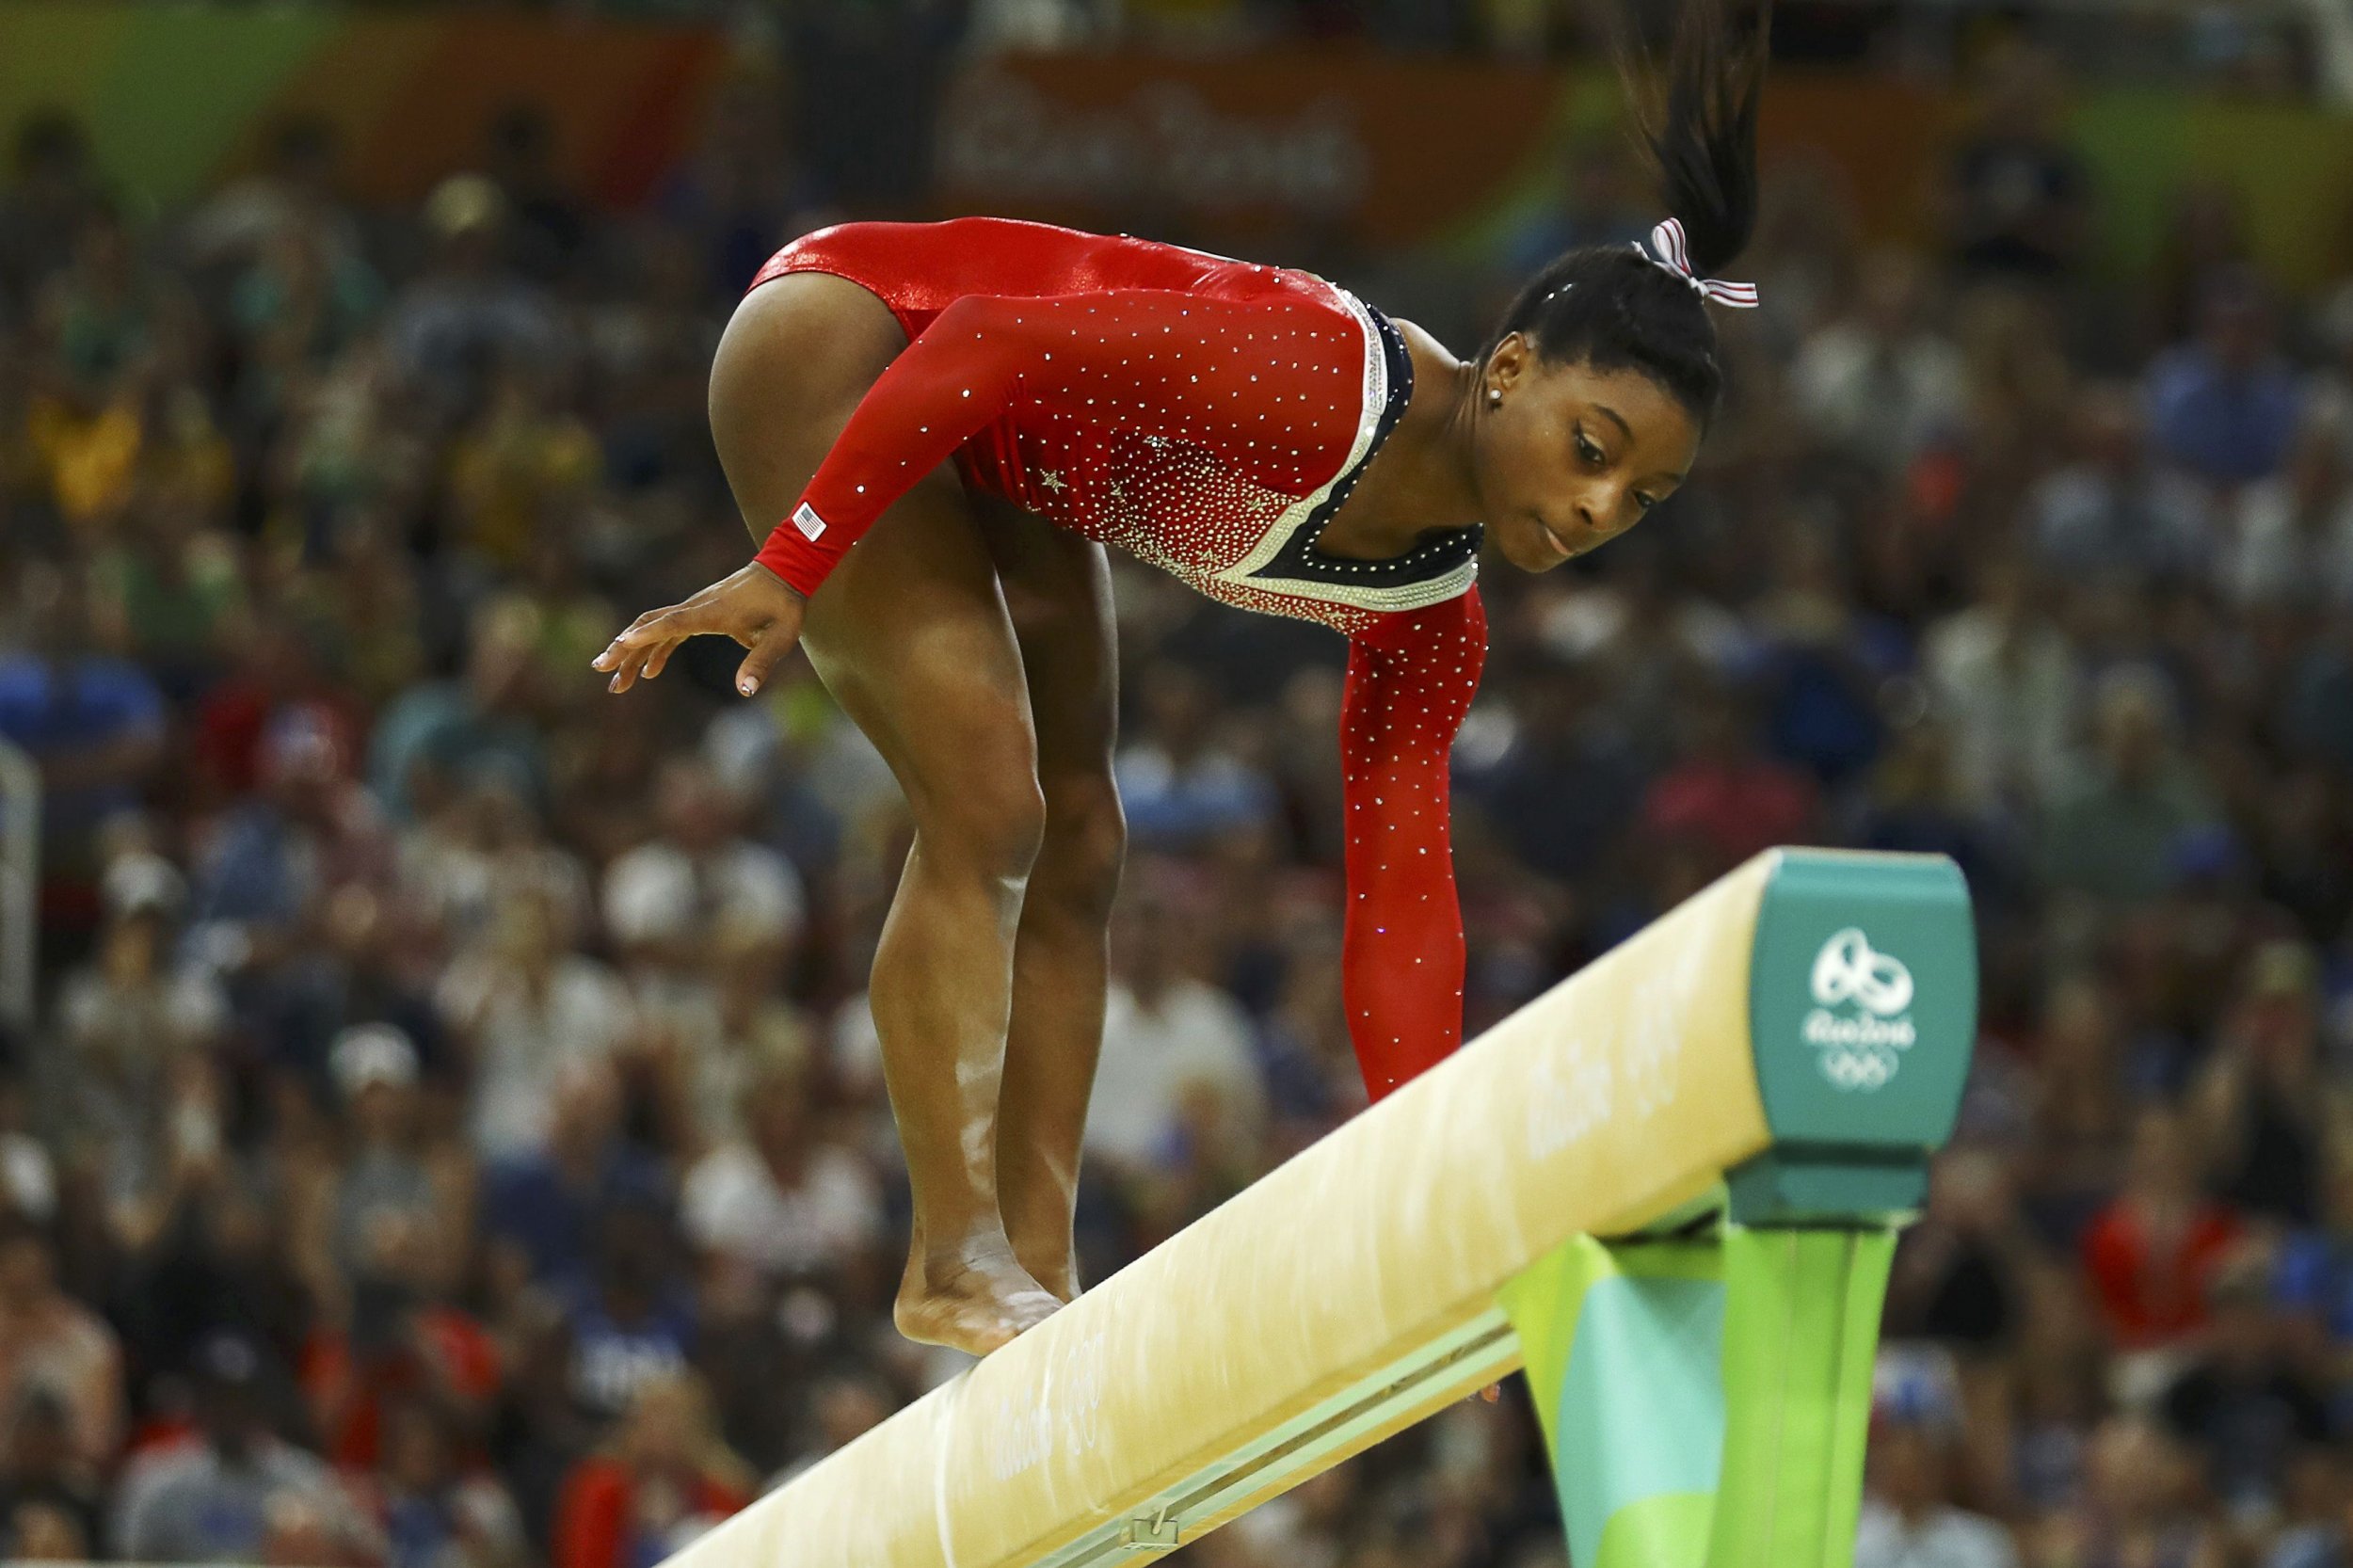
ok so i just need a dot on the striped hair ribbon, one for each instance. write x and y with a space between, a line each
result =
1674 255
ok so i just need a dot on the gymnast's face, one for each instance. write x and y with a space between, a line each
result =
1572 457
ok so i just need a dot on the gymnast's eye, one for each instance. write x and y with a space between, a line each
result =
1644 501
1588 450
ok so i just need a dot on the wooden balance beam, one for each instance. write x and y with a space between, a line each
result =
1790 1041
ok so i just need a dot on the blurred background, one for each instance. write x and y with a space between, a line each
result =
440 1119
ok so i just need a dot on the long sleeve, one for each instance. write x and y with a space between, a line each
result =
1410 681
1273 386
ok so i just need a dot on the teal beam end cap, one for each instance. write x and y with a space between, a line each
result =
1863 1001
1798 1187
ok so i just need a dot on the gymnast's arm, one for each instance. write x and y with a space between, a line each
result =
1410 681
1273 387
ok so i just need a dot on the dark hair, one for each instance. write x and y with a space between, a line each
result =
1611 306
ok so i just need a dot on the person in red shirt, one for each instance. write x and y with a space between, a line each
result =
665 1477
937 427
2152 1252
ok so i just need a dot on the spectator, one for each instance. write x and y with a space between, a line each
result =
527 456
50 1498
392 1190
2225 407
2292 534
468 312
2152 1252
308 829
458 732
541 1207
1165 1030
124 1022
1181 788
2112 832
2017 193
525 1009
633 1322
668 901
1909 1518
1559 730
2261 1100
223 1493
481 848
1725 794
549 233
52 1344
435 1512
2141 1506
778 1199
2112 507
93 722
665 1477
54 192
2314 1279
1881 383
2240 1404
2006 675
845 1404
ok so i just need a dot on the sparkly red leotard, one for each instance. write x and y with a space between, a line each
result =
1207 416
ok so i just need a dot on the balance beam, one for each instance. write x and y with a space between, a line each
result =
1741 1049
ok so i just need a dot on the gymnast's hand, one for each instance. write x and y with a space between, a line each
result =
754 606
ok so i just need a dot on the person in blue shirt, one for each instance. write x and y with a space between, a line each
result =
93 723
2226 405
631 1321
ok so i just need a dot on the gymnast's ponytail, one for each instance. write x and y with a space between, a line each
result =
1619 307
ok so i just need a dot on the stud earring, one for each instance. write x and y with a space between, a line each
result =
1495 397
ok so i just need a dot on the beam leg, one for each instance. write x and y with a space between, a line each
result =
1704 1401
1800 1329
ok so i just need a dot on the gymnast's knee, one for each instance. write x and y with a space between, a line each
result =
989 822
1086 846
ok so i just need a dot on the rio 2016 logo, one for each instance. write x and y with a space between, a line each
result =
1861 1023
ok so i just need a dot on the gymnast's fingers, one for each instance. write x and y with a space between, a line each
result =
632 662
639 633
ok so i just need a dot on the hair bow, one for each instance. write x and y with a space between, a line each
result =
1676 257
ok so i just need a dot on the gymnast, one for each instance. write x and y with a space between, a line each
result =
944 424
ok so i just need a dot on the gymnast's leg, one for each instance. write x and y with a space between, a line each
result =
911 636
1057 587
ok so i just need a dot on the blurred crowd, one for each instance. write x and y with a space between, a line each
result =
452 1135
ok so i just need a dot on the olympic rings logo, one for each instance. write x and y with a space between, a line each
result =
1853 1069
1847 970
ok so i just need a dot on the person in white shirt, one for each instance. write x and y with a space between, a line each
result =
2006 679
778 1198
1166 1034
1908 1520
1880 382
673 892
2291 536
525 1006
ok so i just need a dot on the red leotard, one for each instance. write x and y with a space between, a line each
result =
1207 416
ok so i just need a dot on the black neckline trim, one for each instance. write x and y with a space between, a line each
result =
1299 560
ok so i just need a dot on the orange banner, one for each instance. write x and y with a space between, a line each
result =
1387 150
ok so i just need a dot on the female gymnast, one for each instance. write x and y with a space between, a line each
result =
979 407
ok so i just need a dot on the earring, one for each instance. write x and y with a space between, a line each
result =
1495 397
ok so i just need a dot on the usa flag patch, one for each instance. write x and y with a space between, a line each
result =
804 518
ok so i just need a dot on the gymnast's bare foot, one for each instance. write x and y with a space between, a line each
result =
972 1301
1053 1262
1059 1280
